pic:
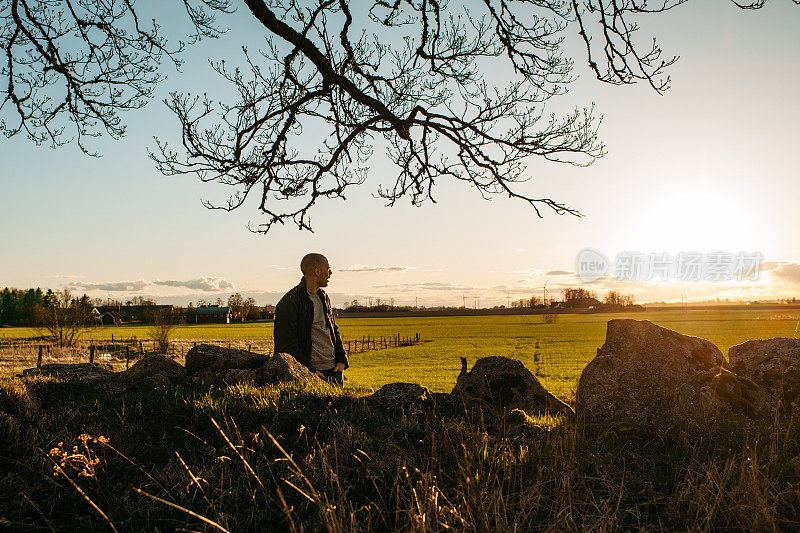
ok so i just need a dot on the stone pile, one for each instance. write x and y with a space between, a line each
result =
643 374
647 374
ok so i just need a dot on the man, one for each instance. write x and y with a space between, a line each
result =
304 323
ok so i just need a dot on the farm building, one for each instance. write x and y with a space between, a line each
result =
212 314
131 313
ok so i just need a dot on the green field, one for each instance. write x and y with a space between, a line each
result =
564 347
269 458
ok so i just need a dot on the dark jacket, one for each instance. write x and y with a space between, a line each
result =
294 315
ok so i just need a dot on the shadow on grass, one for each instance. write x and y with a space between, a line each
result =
316 457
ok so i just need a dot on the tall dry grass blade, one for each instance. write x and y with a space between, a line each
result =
129 460
39 511
183 509
298 470
287 510
239 453
195 480
80 491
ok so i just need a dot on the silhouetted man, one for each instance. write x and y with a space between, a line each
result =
304 323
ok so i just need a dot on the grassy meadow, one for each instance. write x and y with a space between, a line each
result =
555 352
75 456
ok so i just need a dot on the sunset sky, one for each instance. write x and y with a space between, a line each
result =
708 166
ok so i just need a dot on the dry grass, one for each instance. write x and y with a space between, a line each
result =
316 458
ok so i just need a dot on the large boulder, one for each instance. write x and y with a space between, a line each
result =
506 384
235 366
638 371
280 368
69 371
774 364
719 394
210 358
399 396
155 371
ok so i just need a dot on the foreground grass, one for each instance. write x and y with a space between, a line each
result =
316 458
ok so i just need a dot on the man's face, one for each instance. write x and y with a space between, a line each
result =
323 273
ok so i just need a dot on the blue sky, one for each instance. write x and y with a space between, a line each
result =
708 166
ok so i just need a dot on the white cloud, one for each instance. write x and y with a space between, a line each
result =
117 286
205 284
784 271
371 268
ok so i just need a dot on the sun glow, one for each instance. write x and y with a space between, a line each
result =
699 214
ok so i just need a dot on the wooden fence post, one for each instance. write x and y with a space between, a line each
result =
127 357
39 360
91 354
141 349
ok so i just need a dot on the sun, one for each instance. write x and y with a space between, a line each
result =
695 214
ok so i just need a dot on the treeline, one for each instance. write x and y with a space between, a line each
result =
38 308
31 307
573 298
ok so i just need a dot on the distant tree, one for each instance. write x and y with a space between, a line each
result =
420 77
141 300
617 299
236 304
64 317
18 306
534 301
163 324
250 309
580 297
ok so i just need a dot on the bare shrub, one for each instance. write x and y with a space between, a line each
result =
163 322
550 317
64 317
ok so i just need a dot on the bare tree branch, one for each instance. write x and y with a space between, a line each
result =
448 91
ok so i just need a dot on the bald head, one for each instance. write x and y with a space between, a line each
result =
311 262
316 271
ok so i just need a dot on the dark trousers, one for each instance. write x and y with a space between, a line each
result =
331 376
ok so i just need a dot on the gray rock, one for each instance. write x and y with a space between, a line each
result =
637 372
155 371
69 370
775 365
719 394
210 358
399 395
279 368
506 384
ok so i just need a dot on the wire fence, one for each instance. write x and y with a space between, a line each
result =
25 353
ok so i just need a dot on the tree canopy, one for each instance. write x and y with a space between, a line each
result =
449 91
